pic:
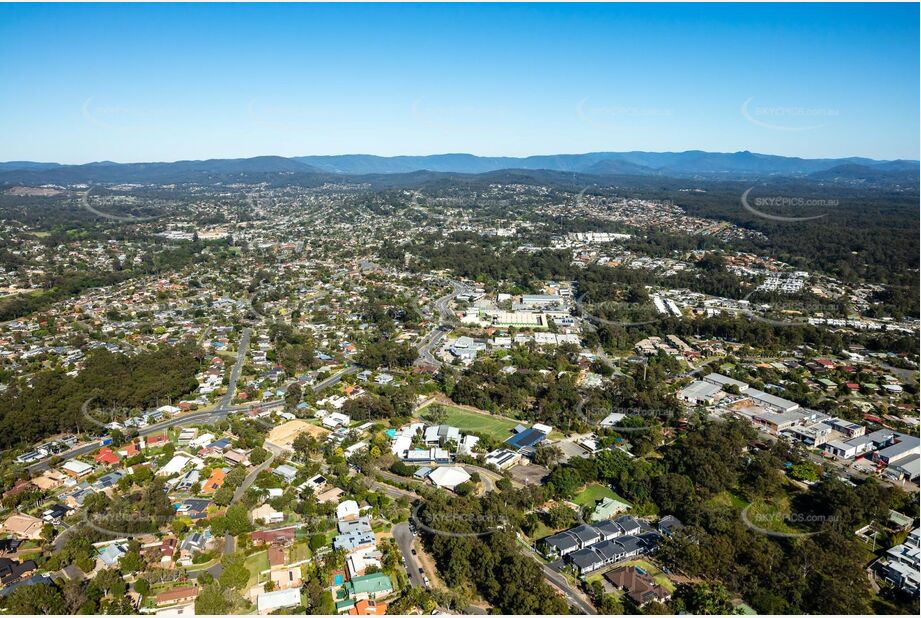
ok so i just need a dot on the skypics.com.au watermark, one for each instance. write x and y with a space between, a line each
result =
767 523
442 523
755 206
787 117
593 413
589 312
618 116
85 203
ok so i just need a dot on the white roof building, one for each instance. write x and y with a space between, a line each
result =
612 419
174 466
202 440
77 468
270 601
448 477
467 445
335 419
347 509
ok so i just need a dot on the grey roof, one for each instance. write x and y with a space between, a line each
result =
669 523
584 533
351 540
362 524
771 400
609 550
628 523
910 465
718 378
609 529
562 541
701 389
586 559
630 543
904 447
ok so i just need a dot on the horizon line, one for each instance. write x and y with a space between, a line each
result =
479 156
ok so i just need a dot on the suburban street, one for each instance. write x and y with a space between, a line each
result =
334 379
574 596
201 417
237 368
404 538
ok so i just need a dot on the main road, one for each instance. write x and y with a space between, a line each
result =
195 418
434 337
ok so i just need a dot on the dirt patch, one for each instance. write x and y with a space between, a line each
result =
428 564
528 474
285 434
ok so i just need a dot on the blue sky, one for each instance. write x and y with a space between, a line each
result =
166 82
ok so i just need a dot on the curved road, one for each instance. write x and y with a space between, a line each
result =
203 417
433 338
575 597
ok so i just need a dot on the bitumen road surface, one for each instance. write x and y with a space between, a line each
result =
203 417
404 538
433 338
575 597
334 379
237 368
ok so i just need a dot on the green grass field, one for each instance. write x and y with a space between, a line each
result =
655 572
497 427
728 499
300 551
593 493
256 564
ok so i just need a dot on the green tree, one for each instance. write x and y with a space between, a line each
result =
39 599
210 601
234 573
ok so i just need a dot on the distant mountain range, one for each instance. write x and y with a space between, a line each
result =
690 164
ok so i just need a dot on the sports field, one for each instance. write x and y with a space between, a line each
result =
498 427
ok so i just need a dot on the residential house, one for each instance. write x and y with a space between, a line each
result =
367 607
279 599
214 482
237 457
288 473
638 585
76 468
267 514
373 586
179 595
286 578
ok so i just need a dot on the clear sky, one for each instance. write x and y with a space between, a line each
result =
166 82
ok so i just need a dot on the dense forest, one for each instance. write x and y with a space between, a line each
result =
53 401
474 553
708 476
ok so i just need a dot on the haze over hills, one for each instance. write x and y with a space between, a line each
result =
692 162
689 164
